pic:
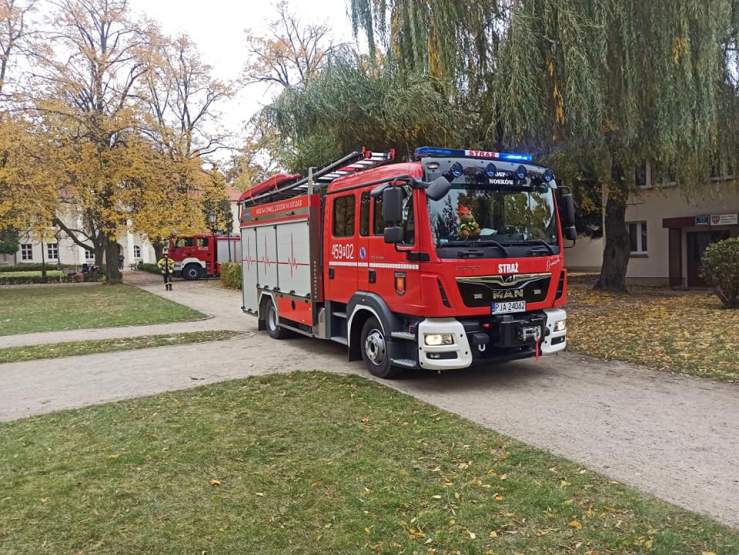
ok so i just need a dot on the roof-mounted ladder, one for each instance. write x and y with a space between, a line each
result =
351 163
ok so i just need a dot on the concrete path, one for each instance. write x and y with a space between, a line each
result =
673 436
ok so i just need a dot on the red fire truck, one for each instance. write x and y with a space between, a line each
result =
201 256
453 259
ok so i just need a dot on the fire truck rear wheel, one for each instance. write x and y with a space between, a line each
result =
374 350
191 272
273 328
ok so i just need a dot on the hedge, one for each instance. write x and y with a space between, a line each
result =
151 268
19 280
36 267
231 275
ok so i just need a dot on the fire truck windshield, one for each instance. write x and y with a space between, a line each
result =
481 215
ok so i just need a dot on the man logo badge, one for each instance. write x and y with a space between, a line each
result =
510 268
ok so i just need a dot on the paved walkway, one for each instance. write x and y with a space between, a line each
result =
673 436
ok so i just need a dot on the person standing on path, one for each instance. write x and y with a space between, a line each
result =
166 265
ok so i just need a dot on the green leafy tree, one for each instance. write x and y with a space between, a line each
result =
597 86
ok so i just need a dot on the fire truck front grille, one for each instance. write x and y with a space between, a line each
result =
483 290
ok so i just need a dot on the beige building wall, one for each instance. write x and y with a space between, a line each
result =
653 205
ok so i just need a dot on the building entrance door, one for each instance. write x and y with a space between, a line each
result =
697 243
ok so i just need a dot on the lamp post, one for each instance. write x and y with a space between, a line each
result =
212 224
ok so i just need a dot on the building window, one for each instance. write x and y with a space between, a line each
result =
52 251
89 254
650 173
344 216
638 238
26 251
136 251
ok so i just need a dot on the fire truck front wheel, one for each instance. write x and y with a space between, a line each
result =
374 350
191 272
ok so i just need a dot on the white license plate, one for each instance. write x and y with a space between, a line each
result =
509 307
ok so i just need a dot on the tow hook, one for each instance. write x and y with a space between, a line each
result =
531 333
481 340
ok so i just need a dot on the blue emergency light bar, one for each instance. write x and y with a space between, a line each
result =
436 152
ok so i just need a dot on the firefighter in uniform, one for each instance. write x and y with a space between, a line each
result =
166 265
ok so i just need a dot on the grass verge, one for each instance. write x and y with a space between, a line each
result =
27 310
74 348
686 332
311 463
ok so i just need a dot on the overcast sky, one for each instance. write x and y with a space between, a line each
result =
218 28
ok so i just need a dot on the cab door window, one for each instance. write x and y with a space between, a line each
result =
343 224
408 224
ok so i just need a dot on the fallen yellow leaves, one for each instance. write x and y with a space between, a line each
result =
663 329
575 524
215 483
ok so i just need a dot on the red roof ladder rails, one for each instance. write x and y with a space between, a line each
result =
286 186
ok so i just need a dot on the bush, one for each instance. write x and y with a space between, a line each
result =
231 275
36 267
721 270
151 268
18 279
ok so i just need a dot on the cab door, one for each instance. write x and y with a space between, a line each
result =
340 250
365 278
394 274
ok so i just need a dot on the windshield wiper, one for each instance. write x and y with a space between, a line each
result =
549 247
486 243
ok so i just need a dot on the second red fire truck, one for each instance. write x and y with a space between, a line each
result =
200 256
452 259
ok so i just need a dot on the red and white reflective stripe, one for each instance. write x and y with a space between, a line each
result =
378 265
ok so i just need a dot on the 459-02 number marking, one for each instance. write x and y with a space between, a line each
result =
343 251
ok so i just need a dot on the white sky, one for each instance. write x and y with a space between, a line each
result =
218 28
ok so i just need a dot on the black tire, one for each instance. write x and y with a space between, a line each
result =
374 350
271 322
191 272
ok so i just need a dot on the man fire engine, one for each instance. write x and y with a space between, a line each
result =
449 260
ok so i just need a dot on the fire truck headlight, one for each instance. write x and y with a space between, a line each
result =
437 339
560 325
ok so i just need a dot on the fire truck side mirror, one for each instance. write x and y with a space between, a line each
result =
394 234
570 233
567 212
392 205
438 188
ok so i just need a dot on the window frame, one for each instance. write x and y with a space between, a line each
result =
365 202
52 247
136 251
640 237
89 254
346 221
26 251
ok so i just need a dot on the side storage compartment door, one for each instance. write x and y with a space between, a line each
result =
293 258
267 257
249 274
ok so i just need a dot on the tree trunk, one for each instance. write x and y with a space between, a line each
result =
158 250
616 250
112 250
44 279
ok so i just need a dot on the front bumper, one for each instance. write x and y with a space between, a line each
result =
474 341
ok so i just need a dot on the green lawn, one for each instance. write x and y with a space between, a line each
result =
32 309
311 463
74 348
